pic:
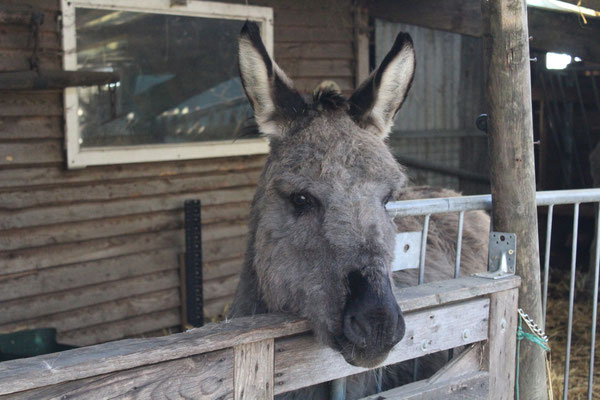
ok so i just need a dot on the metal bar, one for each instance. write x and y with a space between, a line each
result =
484 202
571 298
461 220
337 389
595 304
423 249
547 262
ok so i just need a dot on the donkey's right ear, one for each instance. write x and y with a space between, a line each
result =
271 93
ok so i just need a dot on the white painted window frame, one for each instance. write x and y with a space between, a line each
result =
78 157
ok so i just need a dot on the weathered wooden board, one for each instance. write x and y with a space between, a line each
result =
253 370
117 226
31 128
85 274
82 211
502 344
205 376
50 256
312 51
322 69
18 104
37 306
473 386
316 34
31 176
30 373
17 153
103 312
101 191
427 332
135 326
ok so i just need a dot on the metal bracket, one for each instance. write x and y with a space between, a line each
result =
502 255
407 252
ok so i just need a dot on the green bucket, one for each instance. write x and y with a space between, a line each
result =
29 343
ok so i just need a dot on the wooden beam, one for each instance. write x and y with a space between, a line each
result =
33 80
550 31
253 370
502 342
512 170
32 373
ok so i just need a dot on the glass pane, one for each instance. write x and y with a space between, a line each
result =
179 78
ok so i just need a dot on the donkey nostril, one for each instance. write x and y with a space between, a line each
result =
355 331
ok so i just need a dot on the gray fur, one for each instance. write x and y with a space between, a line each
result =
299 262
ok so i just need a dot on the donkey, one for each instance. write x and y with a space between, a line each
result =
320 242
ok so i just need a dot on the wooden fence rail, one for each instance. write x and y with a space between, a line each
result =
265 355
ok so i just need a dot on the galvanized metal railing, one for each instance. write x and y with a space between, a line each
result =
460 205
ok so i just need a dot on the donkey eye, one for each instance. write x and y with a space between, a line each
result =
301 201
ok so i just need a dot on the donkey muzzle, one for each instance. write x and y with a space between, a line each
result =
372 321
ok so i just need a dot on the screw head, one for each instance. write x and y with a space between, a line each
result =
503 324
466 334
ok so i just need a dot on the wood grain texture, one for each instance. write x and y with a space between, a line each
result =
212 201
253 370
82 363
550 31
473 386
502 342
102 313
427 332
205 376
512 169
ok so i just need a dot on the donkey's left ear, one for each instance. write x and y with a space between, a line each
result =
375 103
271 93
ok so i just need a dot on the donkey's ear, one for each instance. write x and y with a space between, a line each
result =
270 91
375 103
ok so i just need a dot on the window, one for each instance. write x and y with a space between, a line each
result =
178 95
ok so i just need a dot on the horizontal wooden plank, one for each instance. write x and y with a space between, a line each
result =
311 18
328 33
31 128
310 51
217 269
82 363
37 306
473 386
19 16
70 253
31 152
211 200
50 5
86 274
125 225
216 309
125 328
220 287
18 60
16 199
15 104
317 68
20 37
103 312
427 332
205 376
57 175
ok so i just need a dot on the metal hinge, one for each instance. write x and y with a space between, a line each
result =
502 255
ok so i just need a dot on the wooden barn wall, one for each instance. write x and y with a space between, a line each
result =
94 252
437 120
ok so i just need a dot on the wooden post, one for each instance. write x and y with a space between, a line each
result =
502 342
253 370
512 172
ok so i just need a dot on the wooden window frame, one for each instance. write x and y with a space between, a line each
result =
78 157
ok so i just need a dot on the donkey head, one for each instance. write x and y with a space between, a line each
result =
321 241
